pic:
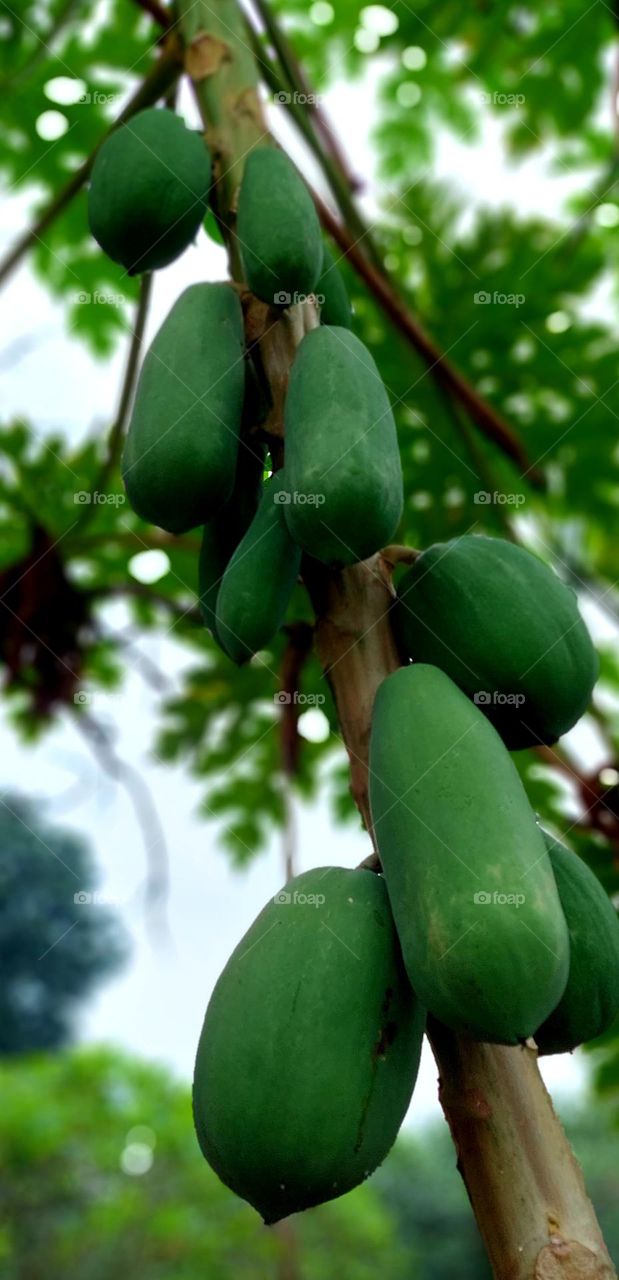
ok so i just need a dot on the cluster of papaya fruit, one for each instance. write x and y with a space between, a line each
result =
311 1042
310 1046
193 454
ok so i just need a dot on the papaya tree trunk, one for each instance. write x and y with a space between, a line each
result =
525 1186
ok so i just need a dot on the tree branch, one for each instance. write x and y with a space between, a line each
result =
157 11
357 244
485 417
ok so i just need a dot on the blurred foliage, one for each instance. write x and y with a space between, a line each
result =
100 1174
42 869
519 301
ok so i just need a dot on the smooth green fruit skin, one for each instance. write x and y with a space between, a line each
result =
452 821
181 451
590 1001
222 535
342 458
336 308
310 1047
278 229
499 622
149 191
259 580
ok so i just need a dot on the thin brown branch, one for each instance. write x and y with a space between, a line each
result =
486 418
143 592
156 11
117 432
155 84
299 83
153 836
115 439
157 540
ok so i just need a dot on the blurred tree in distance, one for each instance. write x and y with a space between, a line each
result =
56 944
117 1184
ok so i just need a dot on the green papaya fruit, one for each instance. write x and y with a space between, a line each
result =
278 229
473 896
501 624
590 1002
258 582
310 1046
181 450
342 461
221 536
149 190
335 306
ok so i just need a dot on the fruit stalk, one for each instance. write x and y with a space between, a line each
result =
523 1180
221 66
524 1184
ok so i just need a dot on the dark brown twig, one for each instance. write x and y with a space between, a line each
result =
486 418
156 11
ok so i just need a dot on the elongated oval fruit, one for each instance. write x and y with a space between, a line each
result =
590 1002
310 1046
221 536
180 455
258 582
149 190
342 460
335 305
472 891
278 229
503 626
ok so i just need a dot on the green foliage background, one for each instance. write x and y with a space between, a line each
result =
69 1206
543 74
42 868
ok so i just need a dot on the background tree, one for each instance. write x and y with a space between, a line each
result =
114 1181
56 944
120 1185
